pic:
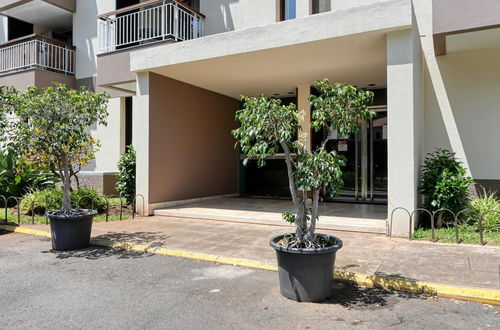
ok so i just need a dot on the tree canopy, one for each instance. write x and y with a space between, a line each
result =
50 128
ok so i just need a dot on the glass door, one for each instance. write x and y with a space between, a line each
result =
365 173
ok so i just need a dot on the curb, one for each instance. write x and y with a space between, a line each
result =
481 295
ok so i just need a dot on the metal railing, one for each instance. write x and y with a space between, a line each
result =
153 21
35 51
432 216
32 202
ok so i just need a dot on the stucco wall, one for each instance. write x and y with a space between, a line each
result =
110 136
229 15
85 34
472 84
191 150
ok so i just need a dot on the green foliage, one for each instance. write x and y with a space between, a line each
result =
487 201
41 201
52 127
264 125
340 107
49 199
88 198
319 169
444 182
16 178
126 176
267 127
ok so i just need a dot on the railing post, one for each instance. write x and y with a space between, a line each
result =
163 19
176 20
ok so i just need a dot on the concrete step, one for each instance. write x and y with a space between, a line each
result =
194 211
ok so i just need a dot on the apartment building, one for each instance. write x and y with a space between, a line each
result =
176 70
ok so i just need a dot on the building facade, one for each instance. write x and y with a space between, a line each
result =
176 70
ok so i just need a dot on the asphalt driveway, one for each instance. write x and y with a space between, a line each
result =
100 288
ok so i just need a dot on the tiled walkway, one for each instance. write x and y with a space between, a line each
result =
335 216
362 253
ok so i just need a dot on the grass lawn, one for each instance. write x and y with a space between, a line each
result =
467 236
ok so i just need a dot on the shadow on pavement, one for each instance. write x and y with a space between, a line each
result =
97 252
152 239
356 297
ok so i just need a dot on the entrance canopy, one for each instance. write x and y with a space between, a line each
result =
342 46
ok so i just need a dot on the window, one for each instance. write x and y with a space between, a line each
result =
320 6
288 9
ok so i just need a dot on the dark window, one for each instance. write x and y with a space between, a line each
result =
125 3
288 9
17 28
128 121
321 6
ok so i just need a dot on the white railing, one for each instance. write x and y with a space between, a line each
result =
161 20
37 52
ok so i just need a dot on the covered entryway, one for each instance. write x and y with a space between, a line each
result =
187 94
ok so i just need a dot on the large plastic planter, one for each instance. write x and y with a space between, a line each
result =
71 232
306 274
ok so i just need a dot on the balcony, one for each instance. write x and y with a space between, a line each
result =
37 52
148 22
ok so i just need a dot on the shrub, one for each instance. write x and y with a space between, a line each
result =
17 179
444 184
40 200
126 176
84 197
487 201
88 198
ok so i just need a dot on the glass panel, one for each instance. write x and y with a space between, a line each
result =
290 9
379 180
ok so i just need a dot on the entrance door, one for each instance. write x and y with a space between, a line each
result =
365 174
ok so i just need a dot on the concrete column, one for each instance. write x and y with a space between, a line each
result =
303 93
140 136
404 99
304 8
3 29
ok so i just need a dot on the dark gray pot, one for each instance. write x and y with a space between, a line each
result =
306 274
71 232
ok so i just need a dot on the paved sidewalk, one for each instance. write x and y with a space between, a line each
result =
368 254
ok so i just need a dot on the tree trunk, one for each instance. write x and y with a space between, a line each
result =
314 216
300 221
66 185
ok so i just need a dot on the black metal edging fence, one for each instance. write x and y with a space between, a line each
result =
433 215
18 201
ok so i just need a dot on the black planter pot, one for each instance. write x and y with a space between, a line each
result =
71 232
306 274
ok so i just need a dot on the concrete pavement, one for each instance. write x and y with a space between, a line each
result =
368 254
99 288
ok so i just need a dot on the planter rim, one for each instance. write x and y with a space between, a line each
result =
92 213
333 248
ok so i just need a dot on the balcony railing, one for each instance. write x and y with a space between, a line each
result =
35 51
148 22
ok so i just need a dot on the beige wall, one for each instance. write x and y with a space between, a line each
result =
191 150
472 85
35 77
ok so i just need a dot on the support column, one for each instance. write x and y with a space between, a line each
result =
303 8
303 93
140 137
404 97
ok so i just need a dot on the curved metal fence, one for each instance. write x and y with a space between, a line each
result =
433 215
79 203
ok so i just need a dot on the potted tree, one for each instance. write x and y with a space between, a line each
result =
49 128
305 258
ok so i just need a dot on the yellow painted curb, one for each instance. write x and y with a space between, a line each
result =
482 295
24 230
